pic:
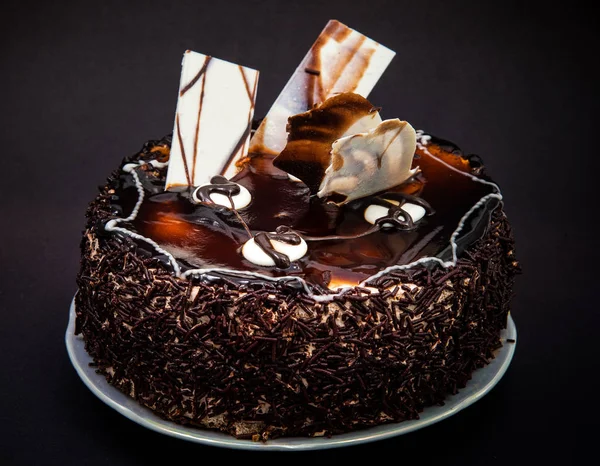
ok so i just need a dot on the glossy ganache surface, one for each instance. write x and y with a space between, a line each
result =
343 248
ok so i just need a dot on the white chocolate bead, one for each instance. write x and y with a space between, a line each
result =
414 210
254 253
374 212
240 200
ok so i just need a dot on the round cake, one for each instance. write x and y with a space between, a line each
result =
284 301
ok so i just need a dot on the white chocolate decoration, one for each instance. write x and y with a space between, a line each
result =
213 119
340 60
364 124
415 211
254 253
374 212
366 163
311 134
240 200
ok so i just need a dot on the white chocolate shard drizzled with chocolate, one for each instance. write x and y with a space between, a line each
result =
214 114
367 163
307 153
341 60
342 147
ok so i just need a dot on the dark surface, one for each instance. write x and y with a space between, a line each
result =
82 86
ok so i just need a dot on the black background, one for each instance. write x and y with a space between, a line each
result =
83 84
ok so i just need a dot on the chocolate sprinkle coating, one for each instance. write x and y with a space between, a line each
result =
262 359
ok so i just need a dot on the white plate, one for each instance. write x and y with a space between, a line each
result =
482 382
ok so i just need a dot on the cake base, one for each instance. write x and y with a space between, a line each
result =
483 380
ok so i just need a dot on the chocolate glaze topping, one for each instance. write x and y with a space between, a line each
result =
343 249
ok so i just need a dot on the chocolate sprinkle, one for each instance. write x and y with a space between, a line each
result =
260 359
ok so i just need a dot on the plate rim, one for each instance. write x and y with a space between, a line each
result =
223 440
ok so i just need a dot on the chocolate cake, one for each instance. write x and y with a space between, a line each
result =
351 277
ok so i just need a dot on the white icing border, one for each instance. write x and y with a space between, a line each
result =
422 141
111 225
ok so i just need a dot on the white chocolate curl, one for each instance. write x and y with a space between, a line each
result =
367 163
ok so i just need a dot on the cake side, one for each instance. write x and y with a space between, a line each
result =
262 358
